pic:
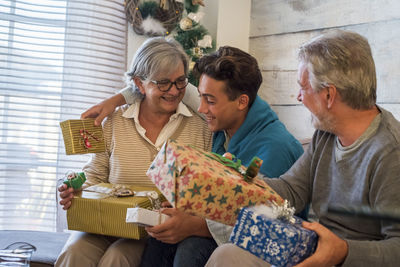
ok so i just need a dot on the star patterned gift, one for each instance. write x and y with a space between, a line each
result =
82 136
279 240
197 182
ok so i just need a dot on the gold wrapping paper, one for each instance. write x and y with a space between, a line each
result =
75 142
100 213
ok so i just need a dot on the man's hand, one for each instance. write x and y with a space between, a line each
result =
180 226
331 250
66 195
103 109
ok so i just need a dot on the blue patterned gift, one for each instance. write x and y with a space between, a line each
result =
277 238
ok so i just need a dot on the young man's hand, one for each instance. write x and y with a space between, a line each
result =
331 250
103 109
180 226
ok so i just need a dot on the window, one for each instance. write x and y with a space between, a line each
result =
57 58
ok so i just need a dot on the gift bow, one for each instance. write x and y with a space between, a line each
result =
284 212
85 136
233 163
274 211
249 174
119 190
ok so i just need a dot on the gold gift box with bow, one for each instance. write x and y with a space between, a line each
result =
102 213
82 136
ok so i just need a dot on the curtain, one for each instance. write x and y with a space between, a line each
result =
57 58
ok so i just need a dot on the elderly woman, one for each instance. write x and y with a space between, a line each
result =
133 136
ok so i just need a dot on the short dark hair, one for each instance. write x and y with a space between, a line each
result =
239 69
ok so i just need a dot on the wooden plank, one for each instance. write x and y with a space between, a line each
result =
297 120
279 87
384 39
278 53
277 16
394 108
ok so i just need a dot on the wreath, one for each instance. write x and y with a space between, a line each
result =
153 18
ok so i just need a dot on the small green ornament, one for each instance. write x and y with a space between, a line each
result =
252 169
75 180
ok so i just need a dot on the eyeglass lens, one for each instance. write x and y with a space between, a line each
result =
166 86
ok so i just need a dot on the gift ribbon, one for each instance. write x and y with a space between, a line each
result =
248 175
119 190
284 212
153 197
236 165
85 134
154 200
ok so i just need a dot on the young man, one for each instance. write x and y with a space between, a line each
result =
353 159
243 124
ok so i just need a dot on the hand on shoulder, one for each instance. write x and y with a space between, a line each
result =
103 109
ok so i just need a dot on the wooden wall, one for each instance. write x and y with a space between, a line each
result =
279 27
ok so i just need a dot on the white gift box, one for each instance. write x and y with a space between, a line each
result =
145 217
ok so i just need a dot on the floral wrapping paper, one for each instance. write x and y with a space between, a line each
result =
82 136
276 241
193 181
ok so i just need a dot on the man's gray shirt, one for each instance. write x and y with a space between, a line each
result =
366 176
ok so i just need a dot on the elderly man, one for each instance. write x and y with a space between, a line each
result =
353 159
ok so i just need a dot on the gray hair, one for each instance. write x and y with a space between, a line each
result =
344 59
154 58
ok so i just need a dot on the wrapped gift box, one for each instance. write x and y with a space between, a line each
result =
277 241
99 213
82 136
194 181
145 217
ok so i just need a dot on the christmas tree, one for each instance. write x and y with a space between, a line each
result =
176 18
193 36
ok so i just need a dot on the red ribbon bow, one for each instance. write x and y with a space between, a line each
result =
85 135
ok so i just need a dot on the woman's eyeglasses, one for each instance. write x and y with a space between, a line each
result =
166 85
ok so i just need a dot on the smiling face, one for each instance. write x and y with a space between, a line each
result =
221 113
314 102
162 102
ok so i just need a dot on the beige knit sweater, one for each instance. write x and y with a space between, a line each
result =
128 155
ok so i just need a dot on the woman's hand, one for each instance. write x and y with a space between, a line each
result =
66 195
103 109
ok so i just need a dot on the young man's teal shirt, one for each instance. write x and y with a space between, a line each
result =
262 134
